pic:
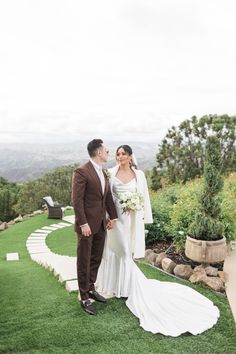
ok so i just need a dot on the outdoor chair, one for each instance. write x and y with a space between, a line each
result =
55 210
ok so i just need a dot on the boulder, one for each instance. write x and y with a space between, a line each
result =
37 212
214 283
68 207
26 216
18 219
198 275
201 266
212 271
222 275
183 271
168 265
3 226
151 257
147 252
159 258
10 223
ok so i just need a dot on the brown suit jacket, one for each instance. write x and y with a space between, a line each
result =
89 203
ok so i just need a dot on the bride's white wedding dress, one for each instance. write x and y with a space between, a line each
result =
162 307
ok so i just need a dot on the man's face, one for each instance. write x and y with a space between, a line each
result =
103 154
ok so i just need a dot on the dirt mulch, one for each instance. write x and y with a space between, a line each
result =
177 257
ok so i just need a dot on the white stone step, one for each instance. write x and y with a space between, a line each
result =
64 224
72 285
42 231
49 228
35 234
12 256
70 219
57 226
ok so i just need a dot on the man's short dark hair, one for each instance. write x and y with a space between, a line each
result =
93 146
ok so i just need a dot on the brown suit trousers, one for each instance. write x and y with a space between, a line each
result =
90 206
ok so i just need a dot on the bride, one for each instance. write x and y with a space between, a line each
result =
162 307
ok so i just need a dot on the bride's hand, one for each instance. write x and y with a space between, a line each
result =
110 224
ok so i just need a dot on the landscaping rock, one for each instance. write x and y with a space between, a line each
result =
201 266
159 258
151 257
198 275
69 207
27 216
168 265
18 219
222 276
183 271
147 252
214 283
10 223
3 226
211 271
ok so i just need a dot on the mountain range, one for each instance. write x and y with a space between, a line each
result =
23 162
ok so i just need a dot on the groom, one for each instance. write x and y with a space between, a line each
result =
92 198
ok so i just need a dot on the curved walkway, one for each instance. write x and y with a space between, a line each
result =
63 267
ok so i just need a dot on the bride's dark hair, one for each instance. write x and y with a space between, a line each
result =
129 151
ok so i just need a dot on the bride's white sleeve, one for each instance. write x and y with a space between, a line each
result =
148 219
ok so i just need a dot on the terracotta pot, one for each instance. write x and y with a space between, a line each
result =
205 251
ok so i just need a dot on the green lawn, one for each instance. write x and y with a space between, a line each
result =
39 316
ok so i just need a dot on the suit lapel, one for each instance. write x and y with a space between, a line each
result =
94 174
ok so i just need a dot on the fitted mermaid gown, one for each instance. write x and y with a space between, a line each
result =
161 307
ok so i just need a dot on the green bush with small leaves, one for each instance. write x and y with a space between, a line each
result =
175 207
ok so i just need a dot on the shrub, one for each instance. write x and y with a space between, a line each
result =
207 224
183 212
175 207
162 203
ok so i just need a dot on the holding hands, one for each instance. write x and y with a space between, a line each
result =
110 224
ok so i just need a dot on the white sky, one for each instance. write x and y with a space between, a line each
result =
90 68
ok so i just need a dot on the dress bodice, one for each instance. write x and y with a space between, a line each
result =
120 187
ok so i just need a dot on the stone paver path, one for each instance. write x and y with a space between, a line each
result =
63 267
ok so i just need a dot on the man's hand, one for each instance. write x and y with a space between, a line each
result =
86 231
110 224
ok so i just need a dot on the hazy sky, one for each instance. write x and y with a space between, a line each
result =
90 68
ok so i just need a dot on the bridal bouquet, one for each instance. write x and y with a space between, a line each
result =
131 201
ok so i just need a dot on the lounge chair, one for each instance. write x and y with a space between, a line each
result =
55 210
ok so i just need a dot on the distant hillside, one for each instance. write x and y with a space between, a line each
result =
23 162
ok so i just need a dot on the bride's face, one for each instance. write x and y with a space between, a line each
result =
122 157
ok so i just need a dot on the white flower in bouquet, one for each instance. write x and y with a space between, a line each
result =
131 201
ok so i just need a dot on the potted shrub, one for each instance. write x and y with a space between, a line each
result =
207 243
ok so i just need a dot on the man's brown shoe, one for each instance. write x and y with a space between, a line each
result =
96 296
88 307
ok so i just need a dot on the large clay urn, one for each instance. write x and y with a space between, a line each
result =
203 251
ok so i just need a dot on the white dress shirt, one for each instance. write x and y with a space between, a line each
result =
98 169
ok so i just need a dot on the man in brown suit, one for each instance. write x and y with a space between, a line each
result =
92 199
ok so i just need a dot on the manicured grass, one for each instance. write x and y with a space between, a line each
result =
63 241
39 316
